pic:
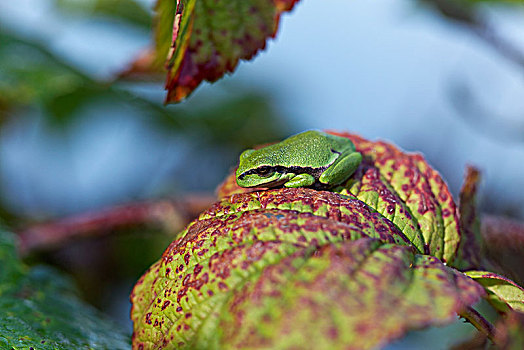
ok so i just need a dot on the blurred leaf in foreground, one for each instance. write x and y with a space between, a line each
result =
131 11
205 39
28 75
510 333
40 309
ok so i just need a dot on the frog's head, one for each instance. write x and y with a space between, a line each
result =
254 171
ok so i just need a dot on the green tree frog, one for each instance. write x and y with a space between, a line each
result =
306 159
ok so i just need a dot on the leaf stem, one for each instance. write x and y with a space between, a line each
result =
479 322
172 215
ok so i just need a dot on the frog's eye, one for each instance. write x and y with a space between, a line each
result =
265 172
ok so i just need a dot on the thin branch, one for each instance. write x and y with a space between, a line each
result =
479 322
171 215
489 122
468 15
500 44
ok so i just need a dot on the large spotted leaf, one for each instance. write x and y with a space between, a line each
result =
356 295
346 209
402 183
209 37
289 268
281 293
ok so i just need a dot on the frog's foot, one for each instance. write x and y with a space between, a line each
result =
301 180
341 169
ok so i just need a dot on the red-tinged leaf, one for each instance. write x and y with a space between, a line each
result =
375 191
203 284
503 293
356 295
209 38
348 210
469 252
420 188
286 267
276 292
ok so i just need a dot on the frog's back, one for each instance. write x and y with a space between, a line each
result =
312 148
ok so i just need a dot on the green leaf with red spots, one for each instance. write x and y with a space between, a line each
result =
503 293
282 267
346 209
404 184
209 38
40 309
357 295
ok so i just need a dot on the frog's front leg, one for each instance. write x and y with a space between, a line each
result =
342 168
300 180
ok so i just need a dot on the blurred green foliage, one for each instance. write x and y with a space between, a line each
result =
132 12
31 75
41 309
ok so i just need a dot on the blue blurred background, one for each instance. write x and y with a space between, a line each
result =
395 70
73 139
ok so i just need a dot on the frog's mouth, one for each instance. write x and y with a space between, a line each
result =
256 180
